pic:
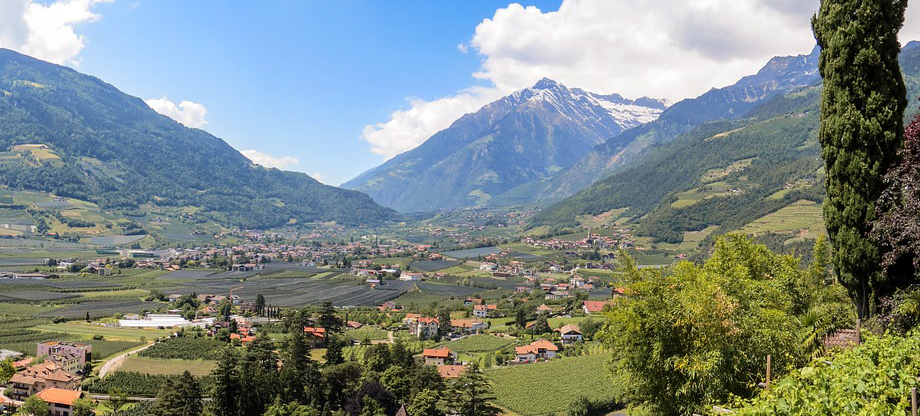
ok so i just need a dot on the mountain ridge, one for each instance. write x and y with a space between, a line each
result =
527 135
114 150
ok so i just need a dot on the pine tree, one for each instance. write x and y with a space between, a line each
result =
862 107
472 395
227 388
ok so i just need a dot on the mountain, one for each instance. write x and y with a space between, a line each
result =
75 136
761 173
526 136
780 75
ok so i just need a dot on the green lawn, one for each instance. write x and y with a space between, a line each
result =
548 388
167 366
107 332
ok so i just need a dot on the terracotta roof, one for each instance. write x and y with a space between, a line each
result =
402 411
427 320
451 371
436 353
484 307
527 349
40 372
569 328
59 396
545 345
543 307
316 332
465 323
595 305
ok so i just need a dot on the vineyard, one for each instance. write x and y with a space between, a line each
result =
184 348
547 388
366 332
138 384
478 343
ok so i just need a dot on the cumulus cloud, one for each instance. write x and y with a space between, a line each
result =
188 113
670 49
268 160
408 128
46 31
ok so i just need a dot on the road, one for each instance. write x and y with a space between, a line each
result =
114 363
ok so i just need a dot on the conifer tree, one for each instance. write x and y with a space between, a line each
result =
862 107
227 389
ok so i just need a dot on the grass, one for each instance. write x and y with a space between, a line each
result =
129 334
546 388
161 366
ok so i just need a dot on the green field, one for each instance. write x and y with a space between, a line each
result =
166 366
130 334
548 388
478 343
802 219
366 332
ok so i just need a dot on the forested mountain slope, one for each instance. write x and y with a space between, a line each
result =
95 143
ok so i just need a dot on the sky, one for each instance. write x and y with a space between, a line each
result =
336 87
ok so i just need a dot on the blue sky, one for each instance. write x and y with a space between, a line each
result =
299 78
335 87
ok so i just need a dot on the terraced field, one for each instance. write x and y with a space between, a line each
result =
558 382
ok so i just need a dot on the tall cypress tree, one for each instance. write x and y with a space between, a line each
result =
862 107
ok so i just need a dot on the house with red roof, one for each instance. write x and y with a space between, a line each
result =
316 335
536 350
595 306
438 356
60 401
40 377
483 311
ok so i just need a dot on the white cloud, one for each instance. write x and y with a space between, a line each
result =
409 128
268 160
320 177
670 49
46 31
188 113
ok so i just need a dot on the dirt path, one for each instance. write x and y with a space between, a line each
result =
114 363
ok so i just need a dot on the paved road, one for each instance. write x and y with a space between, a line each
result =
114 363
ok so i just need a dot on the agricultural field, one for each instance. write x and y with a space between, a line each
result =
163 366
113 333
366 332
472 253
801 220
433 265
546 388
184 349
478 343
137 384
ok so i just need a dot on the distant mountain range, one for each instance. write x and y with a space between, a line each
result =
548 142
759 170
73 135
527 136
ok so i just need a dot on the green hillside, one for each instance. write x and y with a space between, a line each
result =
74 136
761 174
